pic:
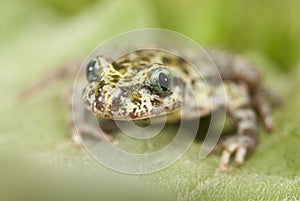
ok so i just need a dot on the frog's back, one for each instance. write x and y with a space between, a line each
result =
191 68
201 79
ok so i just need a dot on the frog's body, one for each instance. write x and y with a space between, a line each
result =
149 83
123 89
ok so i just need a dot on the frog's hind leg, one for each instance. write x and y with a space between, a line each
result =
236 68
61 73
263 100
243 116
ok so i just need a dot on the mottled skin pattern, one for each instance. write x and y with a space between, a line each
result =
149 83
128 89
125 90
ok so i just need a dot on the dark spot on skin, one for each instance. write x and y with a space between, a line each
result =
149 88
120 67
185 71
145 107
117 66
114 78
100 106
182 64
144 59
180 60
125 61
114 81
155 102
193 81
132 114
166 60
136 100
101 84
99 92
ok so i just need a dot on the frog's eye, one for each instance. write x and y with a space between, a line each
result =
161 81
164 81
92 71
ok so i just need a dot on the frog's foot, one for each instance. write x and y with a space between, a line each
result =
238 146
82 124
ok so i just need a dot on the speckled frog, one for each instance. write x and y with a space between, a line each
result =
148 83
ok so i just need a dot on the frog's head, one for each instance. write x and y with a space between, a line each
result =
137 92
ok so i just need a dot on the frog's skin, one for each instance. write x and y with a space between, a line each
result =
129 88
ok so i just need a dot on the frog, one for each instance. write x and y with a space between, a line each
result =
148 83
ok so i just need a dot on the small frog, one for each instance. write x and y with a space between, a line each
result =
148 83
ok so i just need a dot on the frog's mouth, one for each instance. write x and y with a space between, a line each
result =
156 111
140 115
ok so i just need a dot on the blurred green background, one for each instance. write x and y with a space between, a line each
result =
38 160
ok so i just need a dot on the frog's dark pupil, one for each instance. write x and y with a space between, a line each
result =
163 81
92 73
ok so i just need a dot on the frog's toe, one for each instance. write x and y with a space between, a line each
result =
237 146
76 140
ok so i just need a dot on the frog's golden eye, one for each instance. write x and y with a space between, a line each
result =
92 71
160 81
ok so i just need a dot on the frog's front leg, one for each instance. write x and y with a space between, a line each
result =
80 121
243 116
